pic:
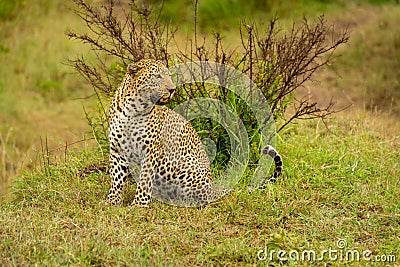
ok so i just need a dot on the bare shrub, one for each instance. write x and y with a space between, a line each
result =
279 62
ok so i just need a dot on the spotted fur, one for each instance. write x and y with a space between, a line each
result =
173 163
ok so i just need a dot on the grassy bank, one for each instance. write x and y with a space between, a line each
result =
338 183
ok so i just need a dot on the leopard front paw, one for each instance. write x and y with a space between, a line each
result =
112 200
140 204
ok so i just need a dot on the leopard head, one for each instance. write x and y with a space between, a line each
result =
146 83
152 79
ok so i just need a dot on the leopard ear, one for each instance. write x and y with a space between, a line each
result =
137 66
134 68
161 62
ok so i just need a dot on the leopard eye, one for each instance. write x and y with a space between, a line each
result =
158 76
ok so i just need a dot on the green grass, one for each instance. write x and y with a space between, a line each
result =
340 182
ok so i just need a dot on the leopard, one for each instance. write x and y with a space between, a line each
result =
146 134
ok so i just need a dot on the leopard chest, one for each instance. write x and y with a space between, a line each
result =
130 135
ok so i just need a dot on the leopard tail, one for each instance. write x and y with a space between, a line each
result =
271 151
